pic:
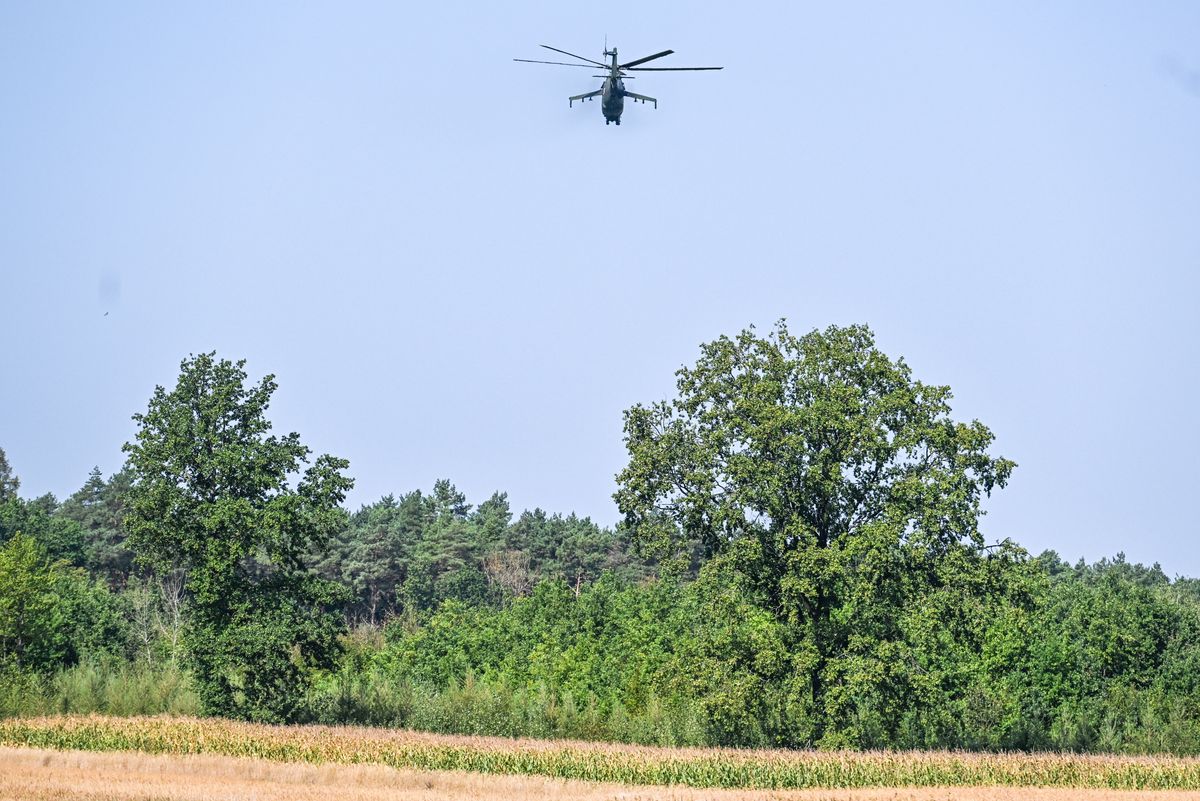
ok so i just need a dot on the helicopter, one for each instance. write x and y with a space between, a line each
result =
612 93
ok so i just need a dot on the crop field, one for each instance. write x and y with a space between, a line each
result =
603 763
28 774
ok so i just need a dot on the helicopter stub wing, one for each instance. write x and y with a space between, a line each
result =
597 93
643 98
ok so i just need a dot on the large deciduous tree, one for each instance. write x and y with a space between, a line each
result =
838 483
214 493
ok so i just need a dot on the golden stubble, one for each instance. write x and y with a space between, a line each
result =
28 774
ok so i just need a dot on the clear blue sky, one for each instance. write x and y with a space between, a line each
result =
455 275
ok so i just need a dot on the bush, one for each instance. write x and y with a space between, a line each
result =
106 686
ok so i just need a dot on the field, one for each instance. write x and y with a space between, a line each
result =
315 751
42 775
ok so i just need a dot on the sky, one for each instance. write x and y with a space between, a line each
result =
453 274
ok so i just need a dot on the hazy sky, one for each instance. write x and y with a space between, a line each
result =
453 274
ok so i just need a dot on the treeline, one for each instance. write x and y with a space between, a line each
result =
468 619
399 555
799 564
1101 657
412 553
396 558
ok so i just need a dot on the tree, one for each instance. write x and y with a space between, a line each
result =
32 621
214 494
833 478
51 615
62 538
491 520
99 509
154 607
9 483
509 570
446 502
446 561
377 561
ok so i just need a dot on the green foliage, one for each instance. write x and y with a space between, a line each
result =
626 654
372 555
851 480
972 668
61 538
99 510
469 671
106 686
409 554
1109 661
211 494
33 622
51 614
9 483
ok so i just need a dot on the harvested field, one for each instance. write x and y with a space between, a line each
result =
599 762
41 775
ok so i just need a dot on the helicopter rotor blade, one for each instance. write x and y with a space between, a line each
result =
672 69
572 55
559 63
647 58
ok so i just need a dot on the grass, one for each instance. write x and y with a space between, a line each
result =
594 762
111 686
484 708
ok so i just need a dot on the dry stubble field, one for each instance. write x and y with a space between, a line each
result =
185 758
28 774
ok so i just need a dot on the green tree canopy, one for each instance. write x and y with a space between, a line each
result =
31 613
51 614
62 537
99 509
216 494
830 475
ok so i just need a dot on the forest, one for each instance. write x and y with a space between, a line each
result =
799 563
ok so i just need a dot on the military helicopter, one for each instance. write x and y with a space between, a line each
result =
613 93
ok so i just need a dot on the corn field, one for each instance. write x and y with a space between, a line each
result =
695 767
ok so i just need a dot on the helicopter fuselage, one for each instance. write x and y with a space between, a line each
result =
612 102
